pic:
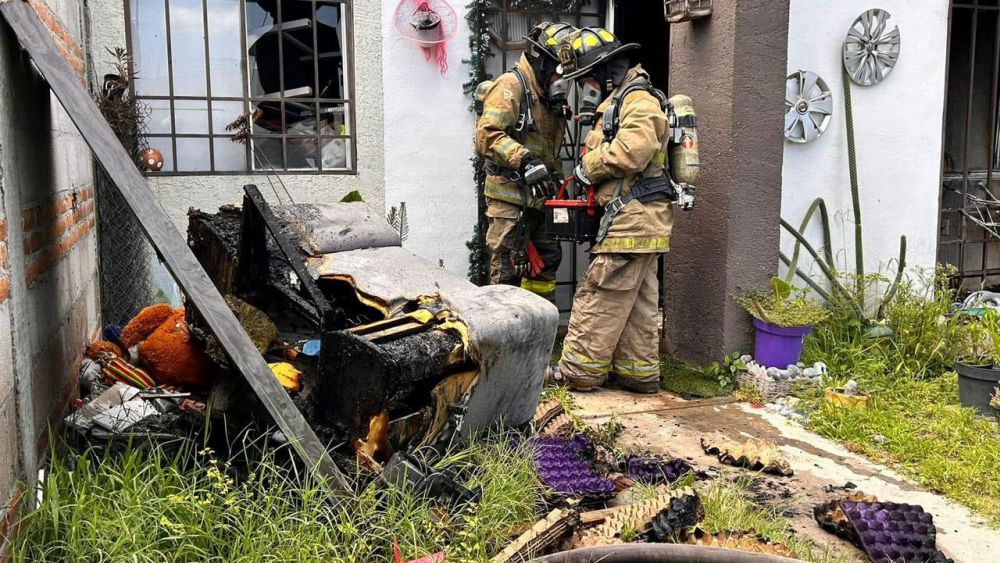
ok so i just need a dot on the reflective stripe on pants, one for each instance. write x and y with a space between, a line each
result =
613 326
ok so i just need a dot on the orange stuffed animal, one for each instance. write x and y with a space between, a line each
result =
165 349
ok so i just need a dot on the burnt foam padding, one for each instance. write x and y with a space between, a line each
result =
893 533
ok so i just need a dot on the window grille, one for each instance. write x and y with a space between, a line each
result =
202 64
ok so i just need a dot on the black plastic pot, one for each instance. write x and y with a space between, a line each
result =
976 385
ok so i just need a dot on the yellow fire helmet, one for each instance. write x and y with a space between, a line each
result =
544 38
590 47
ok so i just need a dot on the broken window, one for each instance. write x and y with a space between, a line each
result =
202 64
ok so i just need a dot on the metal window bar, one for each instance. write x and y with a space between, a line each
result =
347 48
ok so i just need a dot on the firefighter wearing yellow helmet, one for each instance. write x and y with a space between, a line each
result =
613 328
519 131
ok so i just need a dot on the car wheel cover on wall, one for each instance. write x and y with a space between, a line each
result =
871 49
808 106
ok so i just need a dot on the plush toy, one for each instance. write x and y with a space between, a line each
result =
159 342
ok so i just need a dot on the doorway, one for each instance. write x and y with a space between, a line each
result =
643 22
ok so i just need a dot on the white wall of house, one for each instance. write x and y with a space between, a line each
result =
428 143
898 132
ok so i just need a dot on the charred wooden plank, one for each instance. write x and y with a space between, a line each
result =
258 222
165 238
538 539
365 378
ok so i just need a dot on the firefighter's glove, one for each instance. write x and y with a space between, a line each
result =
581 176
520 263
537 177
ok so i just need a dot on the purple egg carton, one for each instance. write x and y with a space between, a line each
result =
653 471
562 467
893 532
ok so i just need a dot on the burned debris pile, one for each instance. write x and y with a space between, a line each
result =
381 351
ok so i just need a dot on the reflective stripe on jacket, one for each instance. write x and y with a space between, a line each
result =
501 108
637 148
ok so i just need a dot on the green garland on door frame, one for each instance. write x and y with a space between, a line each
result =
477 16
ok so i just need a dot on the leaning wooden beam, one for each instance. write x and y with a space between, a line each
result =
165 238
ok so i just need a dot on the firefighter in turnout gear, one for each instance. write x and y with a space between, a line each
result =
613 328
519 131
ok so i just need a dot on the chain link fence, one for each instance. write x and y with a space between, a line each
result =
126 258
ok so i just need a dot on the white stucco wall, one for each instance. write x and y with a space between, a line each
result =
428 143
898 133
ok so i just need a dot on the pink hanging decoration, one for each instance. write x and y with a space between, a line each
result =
430 24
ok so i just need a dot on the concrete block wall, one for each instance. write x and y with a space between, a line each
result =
48 262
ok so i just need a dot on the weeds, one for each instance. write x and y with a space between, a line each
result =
686 379
729 506
914 421
918 427
148 505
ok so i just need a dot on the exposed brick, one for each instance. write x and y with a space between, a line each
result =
28 219
4 287
4 257
48 258
64 42
10 519
50 233
3 230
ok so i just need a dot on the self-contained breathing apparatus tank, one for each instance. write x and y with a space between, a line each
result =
578 219
685 164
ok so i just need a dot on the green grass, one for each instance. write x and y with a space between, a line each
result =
918 428
147 505
729 506
686 379
914 422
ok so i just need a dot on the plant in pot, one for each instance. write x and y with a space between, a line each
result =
979 369
782 317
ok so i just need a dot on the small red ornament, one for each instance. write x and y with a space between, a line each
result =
152 160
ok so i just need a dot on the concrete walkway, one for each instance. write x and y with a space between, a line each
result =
666 424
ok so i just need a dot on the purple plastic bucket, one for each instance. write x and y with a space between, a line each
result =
778 346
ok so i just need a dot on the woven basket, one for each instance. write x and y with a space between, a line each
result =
771 390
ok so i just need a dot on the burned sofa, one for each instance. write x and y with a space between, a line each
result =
409 353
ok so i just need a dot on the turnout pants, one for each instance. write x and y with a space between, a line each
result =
500 238
613 326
